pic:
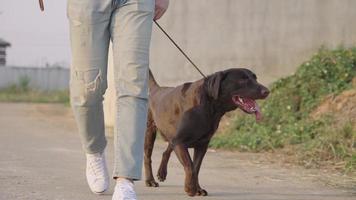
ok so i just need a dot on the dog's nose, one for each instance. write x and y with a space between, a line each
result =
264 92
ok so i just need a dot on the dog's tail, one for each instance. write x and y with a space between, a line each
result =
152 82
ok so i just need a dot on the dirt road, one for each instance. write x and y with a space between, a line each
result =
41 158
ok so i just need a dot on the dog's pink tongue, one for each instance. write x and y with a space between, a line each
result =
258 113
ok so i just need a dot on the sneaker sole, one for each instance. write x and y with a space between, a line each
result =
99 192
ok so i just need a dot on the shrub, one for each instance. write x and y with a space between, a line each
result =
287 111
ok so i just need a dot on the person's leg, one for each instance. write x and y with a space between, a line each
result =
131 34
90 36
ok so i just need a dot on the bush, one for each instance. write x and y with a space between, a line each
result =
23 93
287 110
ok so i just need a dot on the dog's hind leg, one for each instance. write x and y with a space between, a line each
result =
162 171
149 143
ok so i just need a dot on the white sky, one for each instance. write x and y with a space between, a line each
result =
36 37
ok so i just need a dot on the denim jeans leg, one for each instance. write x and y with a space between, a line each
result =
131 28
90 36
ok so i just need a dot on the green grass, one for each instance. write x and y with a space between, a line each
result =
287 111
22 93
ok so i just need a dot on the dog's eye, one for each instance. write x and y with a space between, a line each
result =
242 81
244 77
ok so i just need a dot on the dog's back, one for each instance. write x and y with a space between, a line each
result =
167 104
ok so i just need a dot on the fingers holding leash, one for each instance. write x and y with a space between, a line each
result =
160 8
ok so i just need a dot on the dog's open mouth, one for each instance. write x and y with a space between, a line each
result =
248 105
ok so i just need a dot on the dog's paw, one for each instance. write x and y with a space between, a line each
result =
151 183
161 178
162 175
191 191
191 194
201 192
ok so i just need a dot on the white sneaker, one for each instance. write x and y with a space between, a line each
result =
124 190
97 173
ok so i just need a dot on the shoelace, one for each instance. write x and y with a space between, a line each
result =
128 191
97 166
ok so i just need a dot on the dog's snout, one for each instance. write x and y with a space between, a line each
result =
264 92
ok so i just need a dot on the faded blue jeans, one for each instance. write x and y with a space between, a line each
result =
128 24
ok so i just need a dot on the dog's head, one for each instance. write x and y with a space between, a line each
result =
236 87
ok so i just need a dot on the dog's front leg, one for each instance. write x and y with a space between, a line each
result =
199 153
190 185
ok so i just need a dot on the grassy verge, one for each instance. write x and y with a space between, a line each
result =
20 93
287 115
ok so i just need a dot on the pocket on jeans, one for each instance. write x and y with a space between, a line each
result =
88 11
146 5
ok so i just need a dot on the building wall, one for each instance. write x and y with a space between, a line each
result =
46 79
271 37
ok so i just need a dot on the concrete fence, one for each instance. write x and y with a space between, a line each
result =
271 37
47 79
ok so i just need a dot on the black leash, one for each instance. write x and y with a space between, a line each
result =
175 44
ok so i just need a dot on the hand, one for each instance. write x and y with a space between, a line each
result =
160 8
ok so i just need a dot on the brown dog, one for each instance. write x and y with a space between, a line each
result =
187 116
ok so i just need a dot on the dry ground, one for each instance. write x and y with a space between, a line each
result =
41 158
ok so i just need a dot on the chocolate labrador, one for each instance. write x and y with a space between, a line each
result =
187 116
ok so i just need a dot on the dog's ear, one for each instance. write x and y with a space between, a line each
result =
213 84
